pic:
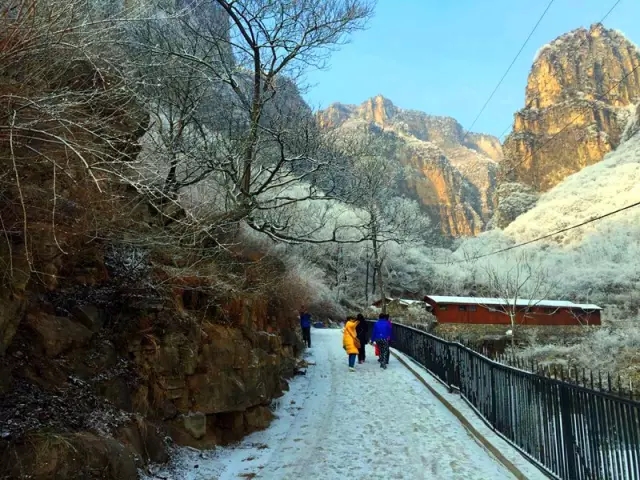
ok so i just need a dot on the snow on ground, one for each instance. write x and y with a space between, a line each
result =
334 424
606 186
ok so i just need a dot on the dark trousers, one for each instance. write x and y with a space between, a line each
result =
383 345
306 336
361 351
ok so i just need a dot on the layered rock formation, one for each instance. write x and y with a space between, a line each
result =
113 334
579 96
451 173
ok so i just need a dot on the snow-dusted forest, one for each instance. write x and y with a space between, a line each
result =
330 203
169 203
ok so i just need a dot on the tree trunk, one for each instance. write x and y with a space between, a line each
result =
373 281
252 141
512 317
381 288
366 282
170 183
171 186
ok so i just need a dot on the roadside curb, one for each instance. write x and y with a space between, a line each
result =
465 423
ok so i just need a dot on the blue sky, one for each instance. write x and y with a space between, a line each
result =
445 57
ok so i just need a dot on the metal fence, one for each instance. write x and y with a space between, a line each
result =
571 431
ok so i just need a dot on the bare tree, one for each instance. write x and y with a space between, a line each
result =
66 123
376 179
519 283
229 107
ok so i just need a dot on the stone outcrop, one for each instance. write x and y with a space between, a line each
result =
108 347
451 172
578 100
108 372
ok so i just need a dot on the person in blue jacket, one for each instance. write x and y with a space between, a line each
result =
381 335
305 325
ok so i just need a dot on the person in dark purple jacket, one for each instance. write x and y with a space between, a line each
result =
381 335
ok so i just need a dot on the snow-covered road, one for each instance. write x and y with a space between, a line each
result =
336 424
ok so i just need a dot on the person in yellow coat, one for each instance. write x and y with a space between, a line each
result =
350 341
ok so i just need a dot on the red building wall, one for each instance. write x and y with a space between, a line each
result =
478 314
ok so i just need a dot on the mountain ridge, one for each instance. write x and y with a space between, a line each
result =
452 173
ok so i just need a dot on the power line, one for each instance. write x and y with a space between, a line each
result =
543 237
601 21
566 229
509 69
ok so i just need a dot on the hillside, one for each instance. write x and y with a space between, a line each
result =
453 175
134 316
579 96
597 189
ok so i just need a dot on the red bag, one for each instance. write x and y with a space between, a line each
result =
376 349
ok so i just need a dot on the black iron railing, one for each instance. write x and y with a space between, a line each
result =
571 431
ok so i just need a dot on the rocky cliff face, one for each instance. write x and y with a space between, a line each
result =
107 345
578 99
452 174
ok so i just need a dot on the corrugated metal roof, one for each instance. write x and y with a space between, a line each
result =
521 302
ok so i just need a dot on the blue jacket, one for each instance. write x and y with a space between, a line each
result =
305 320
381 330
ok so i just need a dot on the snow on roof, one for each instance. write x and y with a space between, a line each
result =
521 302
401 301
404 301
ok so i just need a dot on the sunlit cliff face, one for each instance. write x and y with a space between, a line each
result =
452 173
578 98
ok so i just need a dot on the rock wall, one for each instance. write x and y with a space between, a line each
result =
98 379
577 103
113 333
450 171
98 371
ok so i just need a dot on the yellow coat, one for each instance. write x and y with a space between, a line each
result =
350 340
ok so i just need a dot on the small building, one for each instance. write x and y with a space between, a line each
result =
495 311
397 304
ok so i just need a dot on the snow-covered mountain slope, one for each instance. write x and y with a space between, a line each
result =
606 186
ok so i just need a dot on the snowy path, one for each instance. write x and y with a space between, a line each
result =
336 424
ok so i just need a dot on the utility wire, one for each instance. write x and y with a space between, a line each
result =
508 70
601 21
543 237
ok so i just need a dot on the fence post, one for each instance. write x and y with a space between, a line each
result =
494 407
568 438
450 368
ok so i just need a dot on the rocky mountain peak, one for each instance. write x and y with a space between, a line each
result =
585 64
378 110
450 171
580 93
445 132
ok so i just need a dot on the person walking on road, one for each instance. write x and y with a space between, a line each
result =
381 335
305 325
350 341
362 331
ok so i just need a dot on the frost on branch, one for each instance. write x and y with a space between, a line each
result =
513 200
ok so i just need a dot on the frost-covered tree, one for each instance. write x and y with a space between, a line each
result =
224 77
374 181
513 199
518 280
